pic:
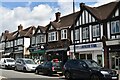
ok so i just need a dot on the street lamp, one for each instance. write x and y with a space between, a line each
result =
74 27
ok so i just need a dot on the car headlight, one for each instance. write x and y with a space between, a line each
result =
104 72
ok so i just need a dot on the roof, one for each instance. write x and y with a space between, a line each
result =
65 21
28 32
102 12
41 28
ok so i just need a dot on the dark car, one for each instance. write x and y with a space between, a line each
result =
87 69
49 68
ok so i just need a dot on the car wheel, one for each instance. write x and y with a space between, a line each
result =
36 71
15 68
68 75
95 77
24 69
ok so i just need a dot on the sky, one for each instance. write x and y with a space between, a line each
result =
37 12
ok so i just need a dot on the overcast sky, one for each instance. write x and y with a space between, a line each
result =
37 12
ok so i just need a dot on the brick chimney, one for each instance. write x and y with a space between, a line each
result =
82 5
57 16
20 27
6 31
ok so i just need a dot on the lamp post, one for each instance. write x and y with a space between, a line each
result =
74 27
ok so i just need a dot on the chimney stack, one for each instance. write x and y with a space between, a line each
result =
82 5
57 16
6 31
20 27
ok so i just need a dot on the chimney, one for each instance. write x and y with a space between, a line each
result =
57 16
82 5
6 31
20 27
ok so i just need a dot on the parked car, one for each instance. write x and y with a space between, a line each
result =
87 69
25 64
49 68
7 63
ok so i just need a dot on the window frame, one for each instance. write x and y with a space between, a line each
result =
64 34
52 36
77 34
96 30
115 27
85 33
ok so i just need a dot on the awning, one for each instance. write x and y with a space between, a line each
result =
38 51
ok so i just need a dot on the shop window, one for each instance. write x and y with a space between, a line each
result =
89 56
82 56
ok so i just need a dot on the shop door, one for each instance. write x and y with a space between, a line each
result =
117 63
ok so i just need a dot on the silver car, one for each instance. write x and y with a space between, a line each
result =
25 64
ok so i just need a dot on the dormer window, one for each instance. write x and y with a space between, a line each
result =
64 34
115 27
52 36
40 39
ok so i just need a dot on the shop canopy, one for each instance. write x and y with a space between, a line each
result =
38 52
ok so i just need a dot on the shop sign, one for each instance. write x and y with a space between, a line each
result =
87 46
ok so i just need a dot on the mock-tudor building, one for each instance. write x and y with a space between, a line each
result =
58 36
17 43
98 34
7 40
38 43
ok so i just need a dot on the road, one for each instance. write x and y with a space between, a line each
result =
17 75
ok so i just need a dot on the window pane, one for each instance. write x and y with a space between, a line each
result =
89 56
82 56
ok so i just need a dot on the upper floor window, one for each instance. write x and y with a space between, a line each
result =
40 39
115 27
11 43
33 40
77 35
52 36
85 33
96 31
20 41
64 34
15 42
8 44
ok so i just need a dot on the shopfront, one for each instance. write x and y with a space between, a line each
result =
114 57
60 54
114 54
38 55
92 51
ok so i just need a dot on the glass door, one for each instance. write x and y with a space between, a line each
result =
117 63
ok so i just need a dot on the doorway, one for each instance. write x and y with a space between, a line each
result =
115 63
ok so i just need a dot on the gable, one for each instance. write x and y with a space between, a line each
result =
39 31
51 27
116 13
85 18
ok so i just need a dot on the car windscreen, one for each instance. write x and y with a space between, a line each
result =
29 62
56 64
10 60
92 64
